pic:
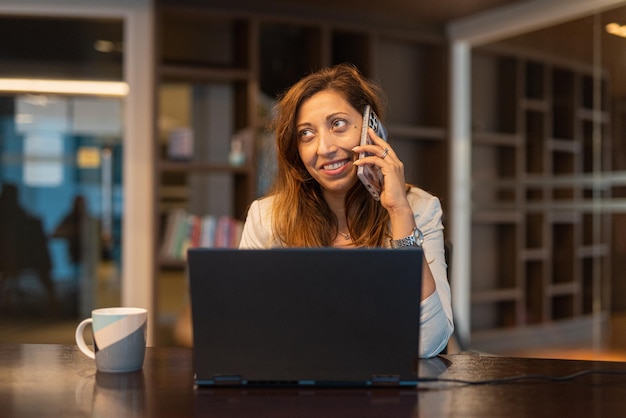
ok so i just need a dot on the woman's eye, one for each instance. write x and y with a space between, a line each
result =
305 134
339 124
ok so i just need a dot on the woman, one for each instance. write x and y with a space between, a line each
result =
318 200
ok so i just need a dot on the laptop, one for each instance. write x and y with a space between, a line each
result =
305 317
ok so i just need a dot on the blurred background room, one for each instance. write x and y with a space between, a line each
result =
132 130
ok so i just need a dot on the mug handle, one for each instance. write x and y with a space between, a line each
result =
80 339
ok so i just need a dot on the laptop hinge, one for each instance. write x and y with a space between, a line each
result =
385 380
227 380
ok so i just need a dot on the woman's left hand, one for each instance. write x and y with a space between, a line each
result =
393 194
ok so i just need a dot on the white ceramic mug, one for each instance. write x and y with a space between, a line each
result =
119 338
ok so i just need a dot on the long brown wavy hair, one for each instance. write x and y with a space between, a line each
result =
301 217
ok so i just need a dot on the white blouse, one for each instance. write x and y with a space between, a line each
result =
436 324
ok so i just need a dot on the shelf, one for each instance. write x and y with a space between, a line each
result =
593 251
417 132
174 72
564 145
564 217
496 295
593 115
497 217
500 185
496 138
188 167
563 289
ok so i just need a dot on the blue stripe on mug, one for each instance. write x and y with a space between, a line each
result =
125 355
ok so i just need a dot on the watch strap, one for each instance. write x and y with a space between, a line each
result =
414 240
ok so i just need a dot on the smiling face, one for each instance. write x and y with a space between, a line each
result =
328 127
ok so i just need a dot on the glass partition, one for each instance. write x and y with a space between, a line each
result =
60 166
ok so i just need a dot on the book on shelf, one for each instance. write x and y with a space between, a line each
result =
184 230
180 144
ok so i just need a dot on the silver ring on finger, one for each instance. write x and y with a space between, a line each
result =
384 154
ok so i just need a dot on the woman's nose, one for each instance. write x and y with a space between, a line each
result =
326 144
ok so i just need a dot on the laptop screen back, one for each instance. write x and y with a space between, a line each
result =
321 317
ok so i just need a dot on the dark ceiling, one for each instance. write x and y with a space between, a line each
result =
428 14
420 12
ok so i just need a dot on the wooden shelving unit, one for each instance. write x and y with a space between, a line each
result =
537 247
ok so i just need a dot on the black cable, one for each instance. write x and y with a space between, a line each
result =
512 379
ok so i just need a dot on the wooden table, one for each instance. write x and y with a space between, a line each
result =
58 381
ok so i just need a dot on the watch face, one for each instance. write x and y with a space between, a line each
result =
419 236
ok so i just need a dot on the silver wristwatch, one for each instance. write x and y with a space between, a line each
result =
414 240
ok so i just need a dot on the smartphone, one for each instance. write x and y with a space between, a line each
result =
369 174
